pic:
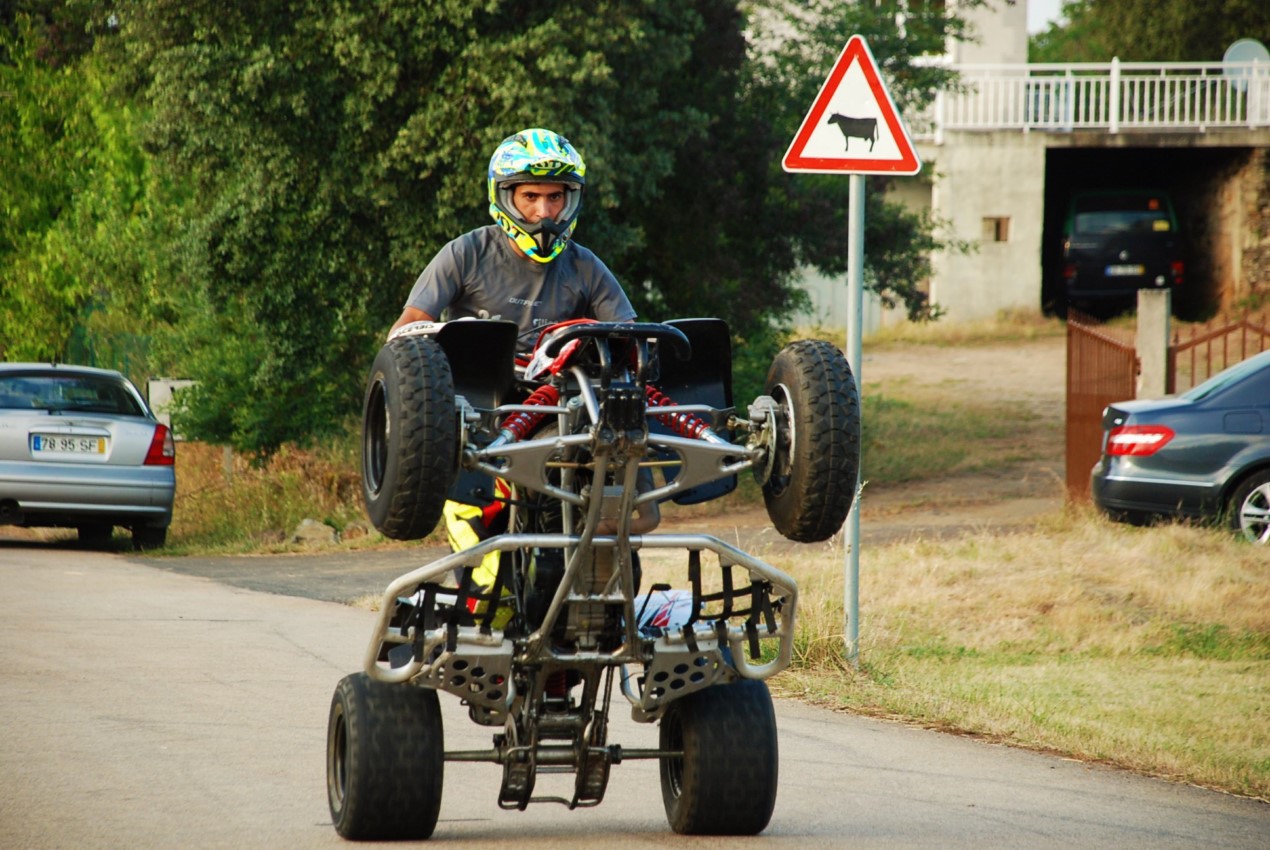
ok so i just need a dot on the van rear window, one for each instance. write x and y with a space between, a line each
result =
1129 212
1122 221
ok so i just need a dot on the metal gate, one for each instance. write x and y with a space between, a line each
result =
1102 368
1208 349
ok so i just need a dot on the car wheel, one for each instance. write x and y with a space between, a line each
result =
149 537
816 461
95 533
384 760
725 781
1249 508
409 437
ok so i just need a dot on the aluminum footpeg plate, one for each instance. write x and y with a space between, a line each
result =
677 670
480 675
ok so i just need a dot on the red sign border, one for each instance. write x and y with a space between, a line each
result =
907 164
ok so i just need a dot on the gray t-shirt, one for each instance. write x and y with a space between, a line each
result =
479 275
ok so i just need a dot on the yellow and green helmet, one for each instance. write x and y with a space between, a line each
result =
536 156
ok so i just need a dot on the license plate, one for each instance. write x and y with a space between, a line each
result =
1126 271
51 444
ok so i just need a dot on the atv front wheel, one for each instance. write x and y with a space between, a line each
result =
384 760
725 782
409 437
816 453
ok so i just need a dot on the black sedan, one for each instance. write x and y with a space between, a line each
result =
1204 454
79 448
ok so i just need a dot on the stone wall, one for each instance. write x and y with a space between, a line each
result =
1253 281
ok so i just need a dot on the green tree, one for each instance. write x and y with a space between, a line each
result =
63 29
1149 30
78 238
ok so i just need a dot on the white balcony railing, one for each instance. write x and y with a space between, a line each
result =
1113 96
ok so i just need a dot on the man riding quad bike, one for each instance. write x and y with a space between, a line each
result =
530 626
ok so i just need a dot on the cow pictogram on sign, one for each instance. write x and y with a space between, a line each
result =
853 126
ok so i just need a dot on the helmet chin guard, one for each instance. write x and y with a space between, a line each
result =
546 232
536 156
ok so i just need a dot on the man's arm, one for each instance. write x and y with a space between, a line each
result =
408 315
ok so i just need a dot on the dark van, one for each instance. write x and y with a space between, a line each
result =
1116 242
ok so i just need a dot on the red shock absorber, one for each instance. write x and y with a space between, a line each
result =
522 422
684 424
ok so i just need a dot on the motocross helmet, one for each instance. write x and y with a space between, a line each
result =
536 156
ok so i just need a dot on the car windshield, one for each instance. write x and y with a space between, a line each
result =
1234 375
59 393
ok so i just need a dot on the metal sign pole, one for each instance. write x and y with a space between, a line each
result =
822 146
855 324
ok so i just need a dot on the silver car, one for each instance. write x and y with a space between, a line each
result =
80 448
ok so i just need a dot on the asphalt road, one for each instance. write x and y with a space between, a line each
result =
148 707
325 576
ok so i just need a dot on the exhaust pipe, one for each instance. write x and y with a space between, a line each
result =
10 512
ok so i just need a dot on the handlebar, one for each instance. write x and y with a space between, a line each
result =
620 330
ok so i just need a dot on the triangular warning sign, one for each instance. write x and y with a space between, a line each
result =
853 126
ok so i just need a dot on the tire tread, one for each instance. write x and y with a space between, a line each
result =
730 764
395 762
823 483
424 463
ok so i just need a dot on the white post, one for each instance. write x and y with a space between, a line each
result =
1258 83
1069 101
940 106
1155 306
1115 94
855 310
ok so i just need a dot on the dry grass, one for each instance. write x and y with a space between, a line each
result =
241 506
1006 326
1146 648
916 431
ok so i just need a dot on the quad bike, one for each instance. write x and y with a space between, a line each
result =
564 448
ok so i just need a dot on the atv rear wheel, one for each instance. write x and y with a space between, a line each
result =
816 456
409 437
725 782
384 760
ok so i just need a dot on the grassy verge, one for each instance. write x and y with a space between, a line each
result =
914 432
1144 648
229 505
1007 326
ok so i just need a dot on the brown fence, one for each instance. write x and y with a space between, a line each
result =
1204 350
1102 368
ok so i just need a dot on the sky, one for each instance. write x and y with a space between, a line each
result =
1040 13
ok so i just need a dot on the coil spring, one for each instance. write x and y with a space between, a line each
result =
522 422
557 686
684 424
